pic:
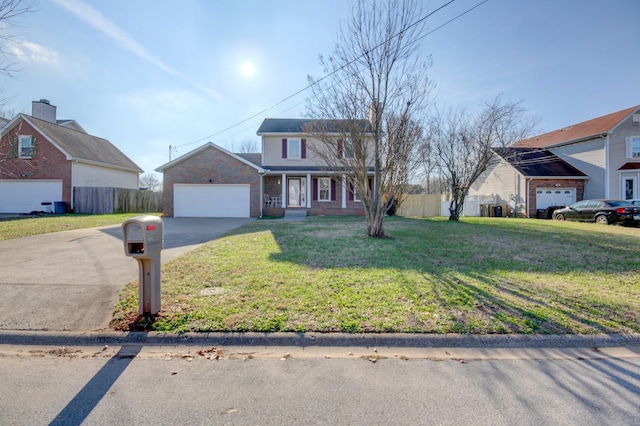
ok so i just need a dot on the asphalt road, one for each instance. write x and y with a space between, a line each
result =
71 280
170 385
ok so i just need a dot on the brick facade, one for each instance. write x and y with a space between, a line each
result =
211 166
47 163
578 184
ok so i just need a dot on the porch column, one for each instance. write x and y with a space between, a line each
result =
284 190
309 195
344 191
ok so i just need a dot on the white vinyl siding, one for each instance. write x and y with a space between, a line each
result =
91 175
590 158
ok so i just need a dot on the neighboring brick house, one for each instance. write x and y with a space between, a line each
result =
42 159
605 150
529 180
286 176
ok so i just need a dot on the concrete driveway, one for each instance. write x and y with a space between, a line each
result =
71 280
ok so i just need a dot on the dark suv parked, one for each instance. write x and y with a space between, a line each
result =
600 211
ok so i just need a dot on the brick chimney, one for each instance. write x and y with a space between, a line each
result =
43 110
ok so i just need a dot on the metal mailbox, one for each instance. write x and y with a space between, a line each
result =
143 238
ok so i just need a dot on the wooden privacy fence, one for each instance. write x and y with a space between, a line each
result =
95 200
420 205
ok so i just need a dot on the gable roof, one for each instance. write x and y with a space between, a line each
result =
239 157
300 125
539 163
77 145
252 157
581 131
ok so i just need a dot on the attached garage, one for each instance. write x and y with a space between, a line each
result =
547 197
25 196
201 200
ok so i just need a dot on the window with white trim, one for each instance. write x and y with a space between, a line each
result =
324 189
25 146
348 151
633 147
294 149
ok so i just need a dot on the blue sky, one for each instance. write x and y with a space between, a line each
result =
147 74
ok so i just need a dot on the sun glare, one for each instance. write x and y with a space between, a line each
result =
247 69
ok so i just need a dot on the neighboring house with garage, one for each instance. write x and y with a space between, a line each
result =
540 171
42 159
287 176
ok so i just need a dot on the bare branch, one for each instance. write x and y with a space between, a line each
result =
375 95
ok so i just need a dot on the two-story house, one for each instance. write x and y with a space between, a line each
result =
43 158
597 158
287 175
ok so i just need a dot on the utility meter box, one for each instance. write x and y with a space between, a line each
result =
143 238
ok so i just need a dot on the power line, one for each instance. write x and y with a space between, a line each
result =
315 82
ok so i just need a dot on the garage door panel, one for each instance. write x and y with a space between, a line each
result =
211 200
24 196
547 197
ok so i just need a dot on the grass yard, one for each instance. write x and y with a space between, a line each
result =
481 275
35 225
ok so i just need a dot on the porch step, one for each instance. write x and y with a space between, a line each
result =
295 214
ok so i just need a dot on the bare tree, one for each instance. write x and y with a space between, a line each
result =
151 181
461 145
372 99
248 146
9 11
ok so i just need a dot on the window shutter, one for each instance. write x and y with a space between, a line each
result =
350 192
284 147
14 146
629 153
303 148
340 148
315 189
33 146
333 190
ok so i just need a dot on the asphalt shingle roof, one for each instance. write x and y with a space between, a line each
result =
586 129
83 146
298 125
538 163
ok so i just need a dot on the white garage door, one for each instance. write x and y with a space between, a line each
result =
211 200
554 197
25 196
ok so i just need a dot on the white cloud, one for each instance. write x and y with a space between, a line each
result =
27 51
103 24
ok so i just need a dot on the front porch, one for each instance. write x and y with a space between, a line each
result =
317 194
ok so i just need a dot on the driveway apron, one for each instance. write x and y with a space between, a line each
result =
71 280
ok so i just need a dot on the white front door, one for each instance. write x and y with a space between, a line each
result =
297 192
294 193
629 188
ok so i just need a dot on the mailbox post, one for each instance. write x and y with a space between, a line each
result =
143 238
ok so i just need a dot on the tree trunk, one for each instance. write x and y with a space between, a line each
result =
375 224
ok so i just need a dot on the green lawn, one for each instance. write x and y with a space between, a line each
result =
481 275
28 225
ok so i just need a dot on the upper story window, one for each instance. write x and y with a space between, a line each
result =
346 148
633 147
294 148
25 146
